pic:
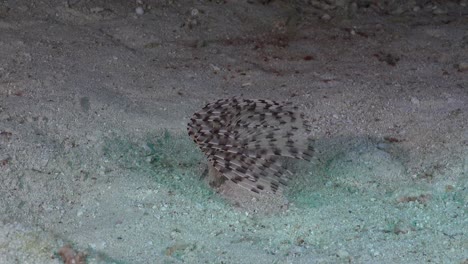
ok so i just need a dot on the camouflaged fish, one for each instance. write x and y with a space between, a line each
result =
244 138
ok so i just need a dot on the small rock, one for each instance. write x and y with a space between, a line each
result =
383 146
342 253
194 12
464 3
139 10
326 17
415 100
462 66
416 8
375 253
215 68
214 51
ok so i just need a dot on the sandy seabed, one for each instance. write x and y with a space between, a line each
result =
95 98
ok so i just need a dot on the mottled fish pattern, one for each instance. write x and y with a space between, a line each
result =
243 138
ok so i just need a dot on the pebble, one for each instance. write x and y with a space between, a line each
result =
326 17
342 253
383 146
214 51
139 10
215 68
415 100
